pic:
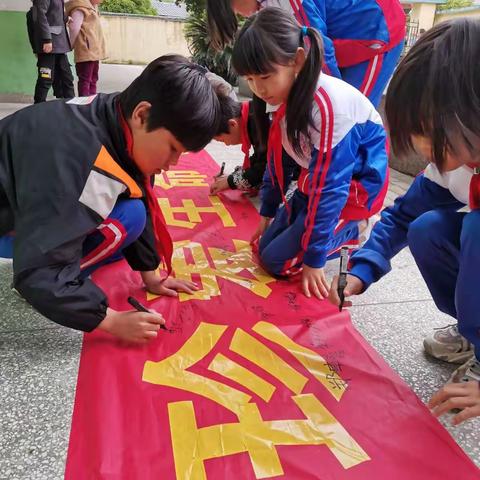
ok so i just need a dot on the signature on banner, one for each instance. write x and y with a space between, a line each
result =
192 446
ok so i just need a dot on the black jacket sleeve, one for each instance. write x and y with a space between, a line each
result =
245 179
57 292
31 28
41 24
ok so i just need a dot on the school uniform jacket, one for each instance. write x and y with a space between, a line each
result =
353 31
430 190
63 166
344 167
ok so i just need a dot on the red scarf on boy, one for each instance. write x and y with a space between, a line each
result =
274 152
246 143
474 201
163 241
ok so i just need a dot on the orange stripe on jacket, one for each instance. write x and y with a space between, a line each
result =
105 162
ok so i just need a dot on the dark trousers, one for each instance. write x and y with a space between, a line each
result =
87 73
53 66
444 244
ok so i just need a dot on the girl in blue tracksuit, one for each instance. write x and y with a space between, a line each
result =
433 107
363 39
326 127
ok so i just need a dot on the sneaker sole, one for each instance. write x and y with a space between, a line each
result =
454 358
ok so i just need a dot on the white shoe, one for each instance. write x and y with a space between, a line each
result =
468 372
448 345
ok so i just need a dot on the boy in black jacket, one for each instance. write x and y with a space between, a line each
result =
75 189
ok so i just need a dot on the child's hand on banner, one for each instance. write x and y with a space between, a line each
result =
314 282
219 185
132 326
262 226
457 395
169 286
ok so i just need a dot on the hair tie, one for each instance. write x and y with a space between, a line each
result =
304 31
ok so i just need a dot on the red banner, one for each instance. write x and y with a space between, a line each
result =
255 381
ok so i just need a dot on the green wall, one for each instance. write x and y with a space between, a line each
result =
17 62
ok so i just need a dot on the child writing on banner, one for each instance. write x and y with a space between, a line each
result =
246 124
363 40
433 108
328 128
76 202
241 128
88 42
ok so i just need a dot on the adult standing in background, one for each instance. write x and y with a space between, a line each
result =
51 44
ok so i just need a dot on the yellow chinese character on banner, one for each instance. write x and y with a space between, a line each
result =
238 267
252 434
180 178
192 212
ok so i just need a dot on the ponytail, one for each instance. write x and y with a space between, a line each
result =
272 37
300 98
222 23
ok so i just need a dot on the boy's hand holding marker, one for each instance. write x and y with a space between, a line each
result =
354 286
220 182
132 326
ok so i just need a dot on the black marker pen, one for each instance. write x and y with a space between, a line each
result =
141 308
342 277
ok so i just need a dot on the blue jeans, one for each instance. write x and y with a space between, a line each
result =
446 248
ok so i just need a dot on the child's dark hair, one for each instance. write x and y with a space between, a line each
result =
182 98
230 109
435 92
222 23
272 37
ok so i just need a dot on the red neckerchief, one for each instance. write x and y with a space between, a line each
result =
163 241
246 143
274 152
474 200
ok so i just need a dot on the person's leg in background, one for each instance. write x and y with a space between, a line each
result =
94 77
63 68
123 226
57 83
46 72
372 77
84 74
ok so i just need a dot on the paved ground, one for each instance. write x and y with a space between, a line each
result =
39 360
